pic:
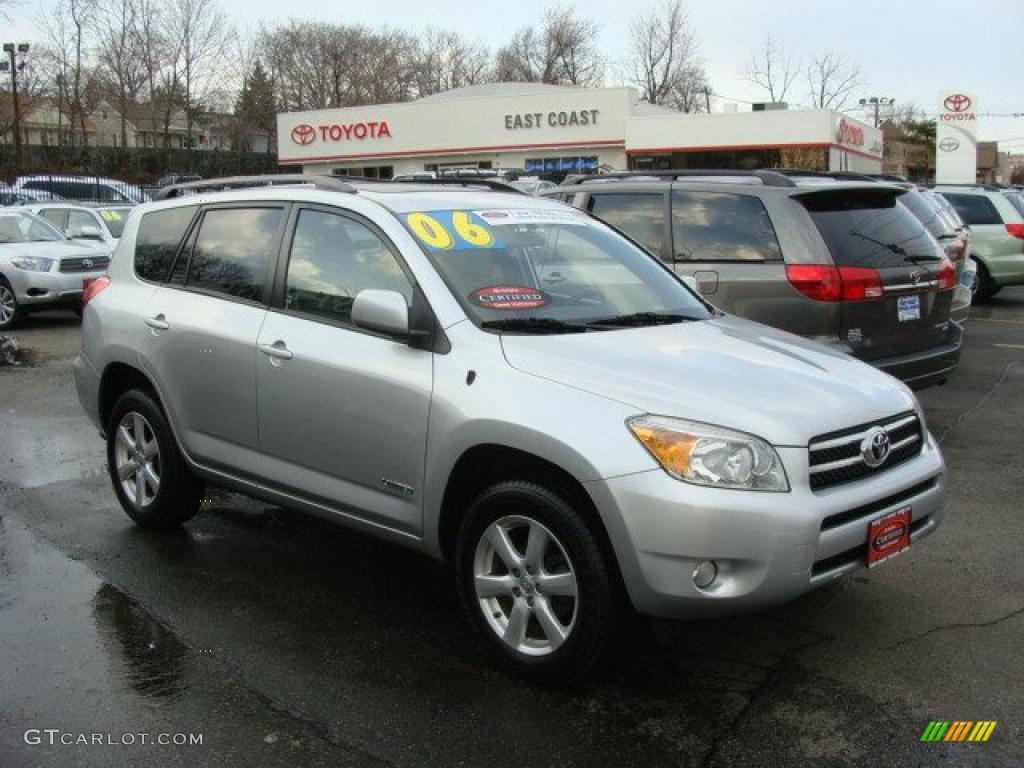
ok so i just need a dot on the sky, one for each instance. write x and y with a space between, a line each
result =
906 49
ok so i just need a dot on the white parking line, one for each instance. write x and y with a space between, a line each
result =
1010 346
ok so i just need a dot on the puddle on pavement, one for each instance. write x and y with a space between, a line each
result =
146 655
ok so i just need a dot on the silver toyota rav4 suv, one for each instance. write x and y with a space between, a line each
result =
501 382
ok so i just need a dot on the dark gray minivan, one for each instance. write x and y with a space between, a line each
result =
836 261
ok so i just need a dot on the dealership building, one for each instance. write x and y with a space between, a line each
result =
546 129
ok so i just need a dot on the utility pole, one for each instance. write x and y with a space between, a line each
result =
876 102
12 50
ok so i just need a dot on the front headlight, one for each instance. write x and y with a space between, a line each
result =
33 264
707 455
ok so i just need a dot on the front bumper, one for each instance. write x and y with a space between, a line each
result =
37 289
769 547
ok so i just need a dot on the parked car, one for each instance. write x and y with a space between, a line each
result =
837 261
40 268
534 186
997 235
100 224
10 196
954 237
83 188
501 382
177 178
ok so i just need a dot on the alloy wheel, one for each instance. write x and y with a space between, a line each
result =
525 585
8 305
137 458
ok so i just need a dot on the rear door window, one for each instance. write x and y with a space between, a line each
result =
1016 200
641 216
157 241
719 226
232 252
927 213
868 229
974 209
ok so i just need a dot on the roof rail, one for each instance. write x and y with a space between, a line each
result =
316 180
459 181
768 178
837 175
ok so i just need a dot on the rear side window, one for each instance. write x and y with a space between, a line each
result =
1016 200
160 233
641 216
232 251
867 229
718 226
974 209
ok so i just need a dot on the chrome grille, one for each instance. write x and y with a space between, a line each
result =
836 458
84 264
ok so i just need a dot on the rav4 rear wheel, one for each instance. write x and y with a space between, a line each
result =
149 475
535 583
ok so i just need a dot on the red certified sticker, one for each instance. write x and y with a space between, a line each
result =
888 536
509 297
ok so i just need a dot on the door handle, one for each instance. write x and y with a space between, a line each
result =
277 350
158 323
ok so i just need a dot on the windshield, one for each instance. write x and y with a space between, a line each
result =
548 271
114 219
27 228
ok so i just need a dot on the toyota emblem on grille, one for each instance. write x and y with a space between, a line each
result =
874 448
87 263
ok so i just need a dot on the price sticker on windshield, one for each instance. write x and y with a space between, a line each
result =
452 230
110 215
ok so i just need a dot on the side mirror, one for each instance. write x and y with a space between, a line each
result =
86 233
691 283
381 311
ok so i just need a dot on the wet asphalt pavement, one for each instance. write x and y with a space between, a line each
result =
285 640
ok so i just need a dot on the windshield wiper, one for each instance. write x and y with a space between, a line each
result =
534 325
644 318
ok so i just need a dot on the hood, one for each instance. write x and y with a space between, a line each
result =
725 371
54 249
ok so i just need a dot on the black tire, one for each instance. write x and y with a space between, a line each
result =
984 286
178 494
599 603
8 298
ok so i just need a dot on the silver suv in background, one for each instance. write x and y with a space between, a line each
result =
840 262
100 224
501 382
997 235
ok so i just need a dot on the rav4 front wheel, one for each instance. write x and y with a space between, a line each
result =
149 475
535 583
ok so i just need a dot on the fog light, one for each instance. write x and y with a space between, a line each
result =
704 574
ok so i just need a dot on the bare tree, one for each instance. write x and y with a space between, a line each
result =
831 81
65 29
446 60
118 56
562 52
199 32
663 61
772 69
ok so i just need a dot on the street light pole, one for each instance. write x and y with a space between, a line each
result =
876 102
12 50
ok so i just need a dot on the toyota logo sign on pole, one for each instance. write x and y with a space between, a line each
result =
956 142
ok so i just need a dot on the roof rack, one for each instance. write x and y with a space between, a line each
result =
457 181
837 175
768 178
317 181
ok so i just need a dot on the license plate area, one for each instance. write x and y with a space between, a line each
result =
908 308
888 536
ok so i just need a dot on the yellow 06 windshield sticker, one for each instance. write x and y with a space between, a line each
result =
452 230
110 215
